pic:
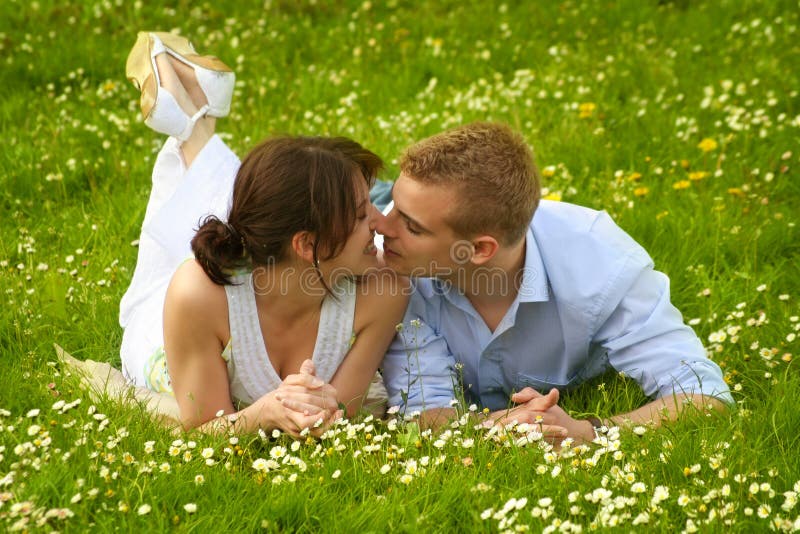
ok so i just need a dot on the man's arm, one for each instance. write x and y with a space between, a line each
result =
646 340
418 369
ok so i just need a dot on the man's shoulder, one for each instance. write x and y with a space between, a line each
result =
588 259
561 227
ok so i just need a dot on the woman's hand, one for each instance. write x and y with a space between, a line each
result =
301 401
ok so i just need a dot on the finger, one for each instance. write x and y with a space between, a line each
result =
543 403
307 421
306 380
553 431
299 396
300 407
327 402
307 368
524 395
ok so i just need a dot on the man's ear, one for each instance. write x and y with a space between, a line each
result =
303 246
484 247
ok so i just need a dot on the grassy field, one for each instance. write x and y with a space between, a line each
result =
680 118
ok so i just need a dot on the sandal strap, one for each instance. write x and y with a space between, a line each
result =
187 132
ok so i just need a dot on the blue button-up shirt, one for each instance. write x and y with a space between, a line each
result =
589 300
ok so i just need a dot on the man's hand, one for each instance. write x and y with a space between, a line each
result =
535 408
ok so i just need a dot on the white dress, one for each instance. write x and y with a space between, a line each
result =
179 199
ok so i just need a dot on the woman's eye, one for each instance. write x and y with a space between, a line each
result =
411 230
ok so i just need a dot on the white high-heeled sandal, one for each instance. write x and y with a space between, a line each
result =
161 111
215 78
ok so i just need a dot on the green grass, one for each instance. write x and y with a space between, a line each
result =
663 76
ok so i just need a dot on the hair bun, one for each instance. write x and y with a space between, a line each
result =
219 247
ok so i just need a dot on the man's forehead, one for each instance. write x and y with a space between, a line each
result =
427 204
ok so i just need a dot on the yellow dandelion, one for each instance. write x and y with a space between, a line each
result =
553 196
681 184
586 110
635 176
707 145
641 191
697 176
685 163
735 191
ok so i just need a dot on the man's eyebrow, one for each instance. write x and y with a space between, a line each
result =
413 221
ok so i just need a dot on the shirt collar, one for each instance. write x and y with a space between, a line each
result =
534 287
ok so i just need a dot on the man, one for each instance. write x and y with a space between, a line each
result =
526 296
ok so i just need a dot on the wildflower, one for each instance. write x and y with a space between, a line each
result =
190 507
683 499
406 479
707 145
385 468
697 176
277 452
638 487
549 171
736 191
207 453
199 479
641 191
149 447
144 509
336 474
681 184
32 413
763 511
586 110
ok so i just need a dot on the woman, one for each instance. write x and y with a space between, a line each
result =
267 315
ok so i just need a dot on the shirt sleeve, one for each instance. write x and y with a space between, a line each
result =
647 340
419 369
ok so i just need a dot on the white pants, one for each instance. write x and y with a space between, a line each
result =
179 200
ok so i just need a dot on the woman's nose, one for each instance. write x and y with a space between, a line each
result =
375 218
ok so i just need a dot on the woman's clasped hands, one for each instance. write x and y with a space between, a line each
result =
302 401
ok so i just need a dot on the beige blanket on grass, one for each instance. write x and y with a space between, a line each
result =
102 381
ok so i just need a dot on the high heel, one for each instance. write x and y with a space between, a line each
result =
215 78
160 110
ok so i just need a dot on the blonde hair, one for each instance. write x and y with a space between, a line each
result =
493 172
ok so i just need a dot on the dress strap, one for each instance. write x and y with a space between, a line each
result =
335 335
250 372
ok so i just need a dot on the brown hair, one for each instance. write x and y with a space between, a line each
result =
494 174
286 185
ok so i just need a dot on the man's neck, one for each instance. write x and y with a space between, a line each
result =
492 288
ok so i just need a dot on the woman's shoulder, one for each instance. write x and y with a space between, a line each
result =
381 293
191 288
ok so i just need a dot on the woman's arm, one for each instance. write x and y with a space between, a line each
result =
195 323
381 302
